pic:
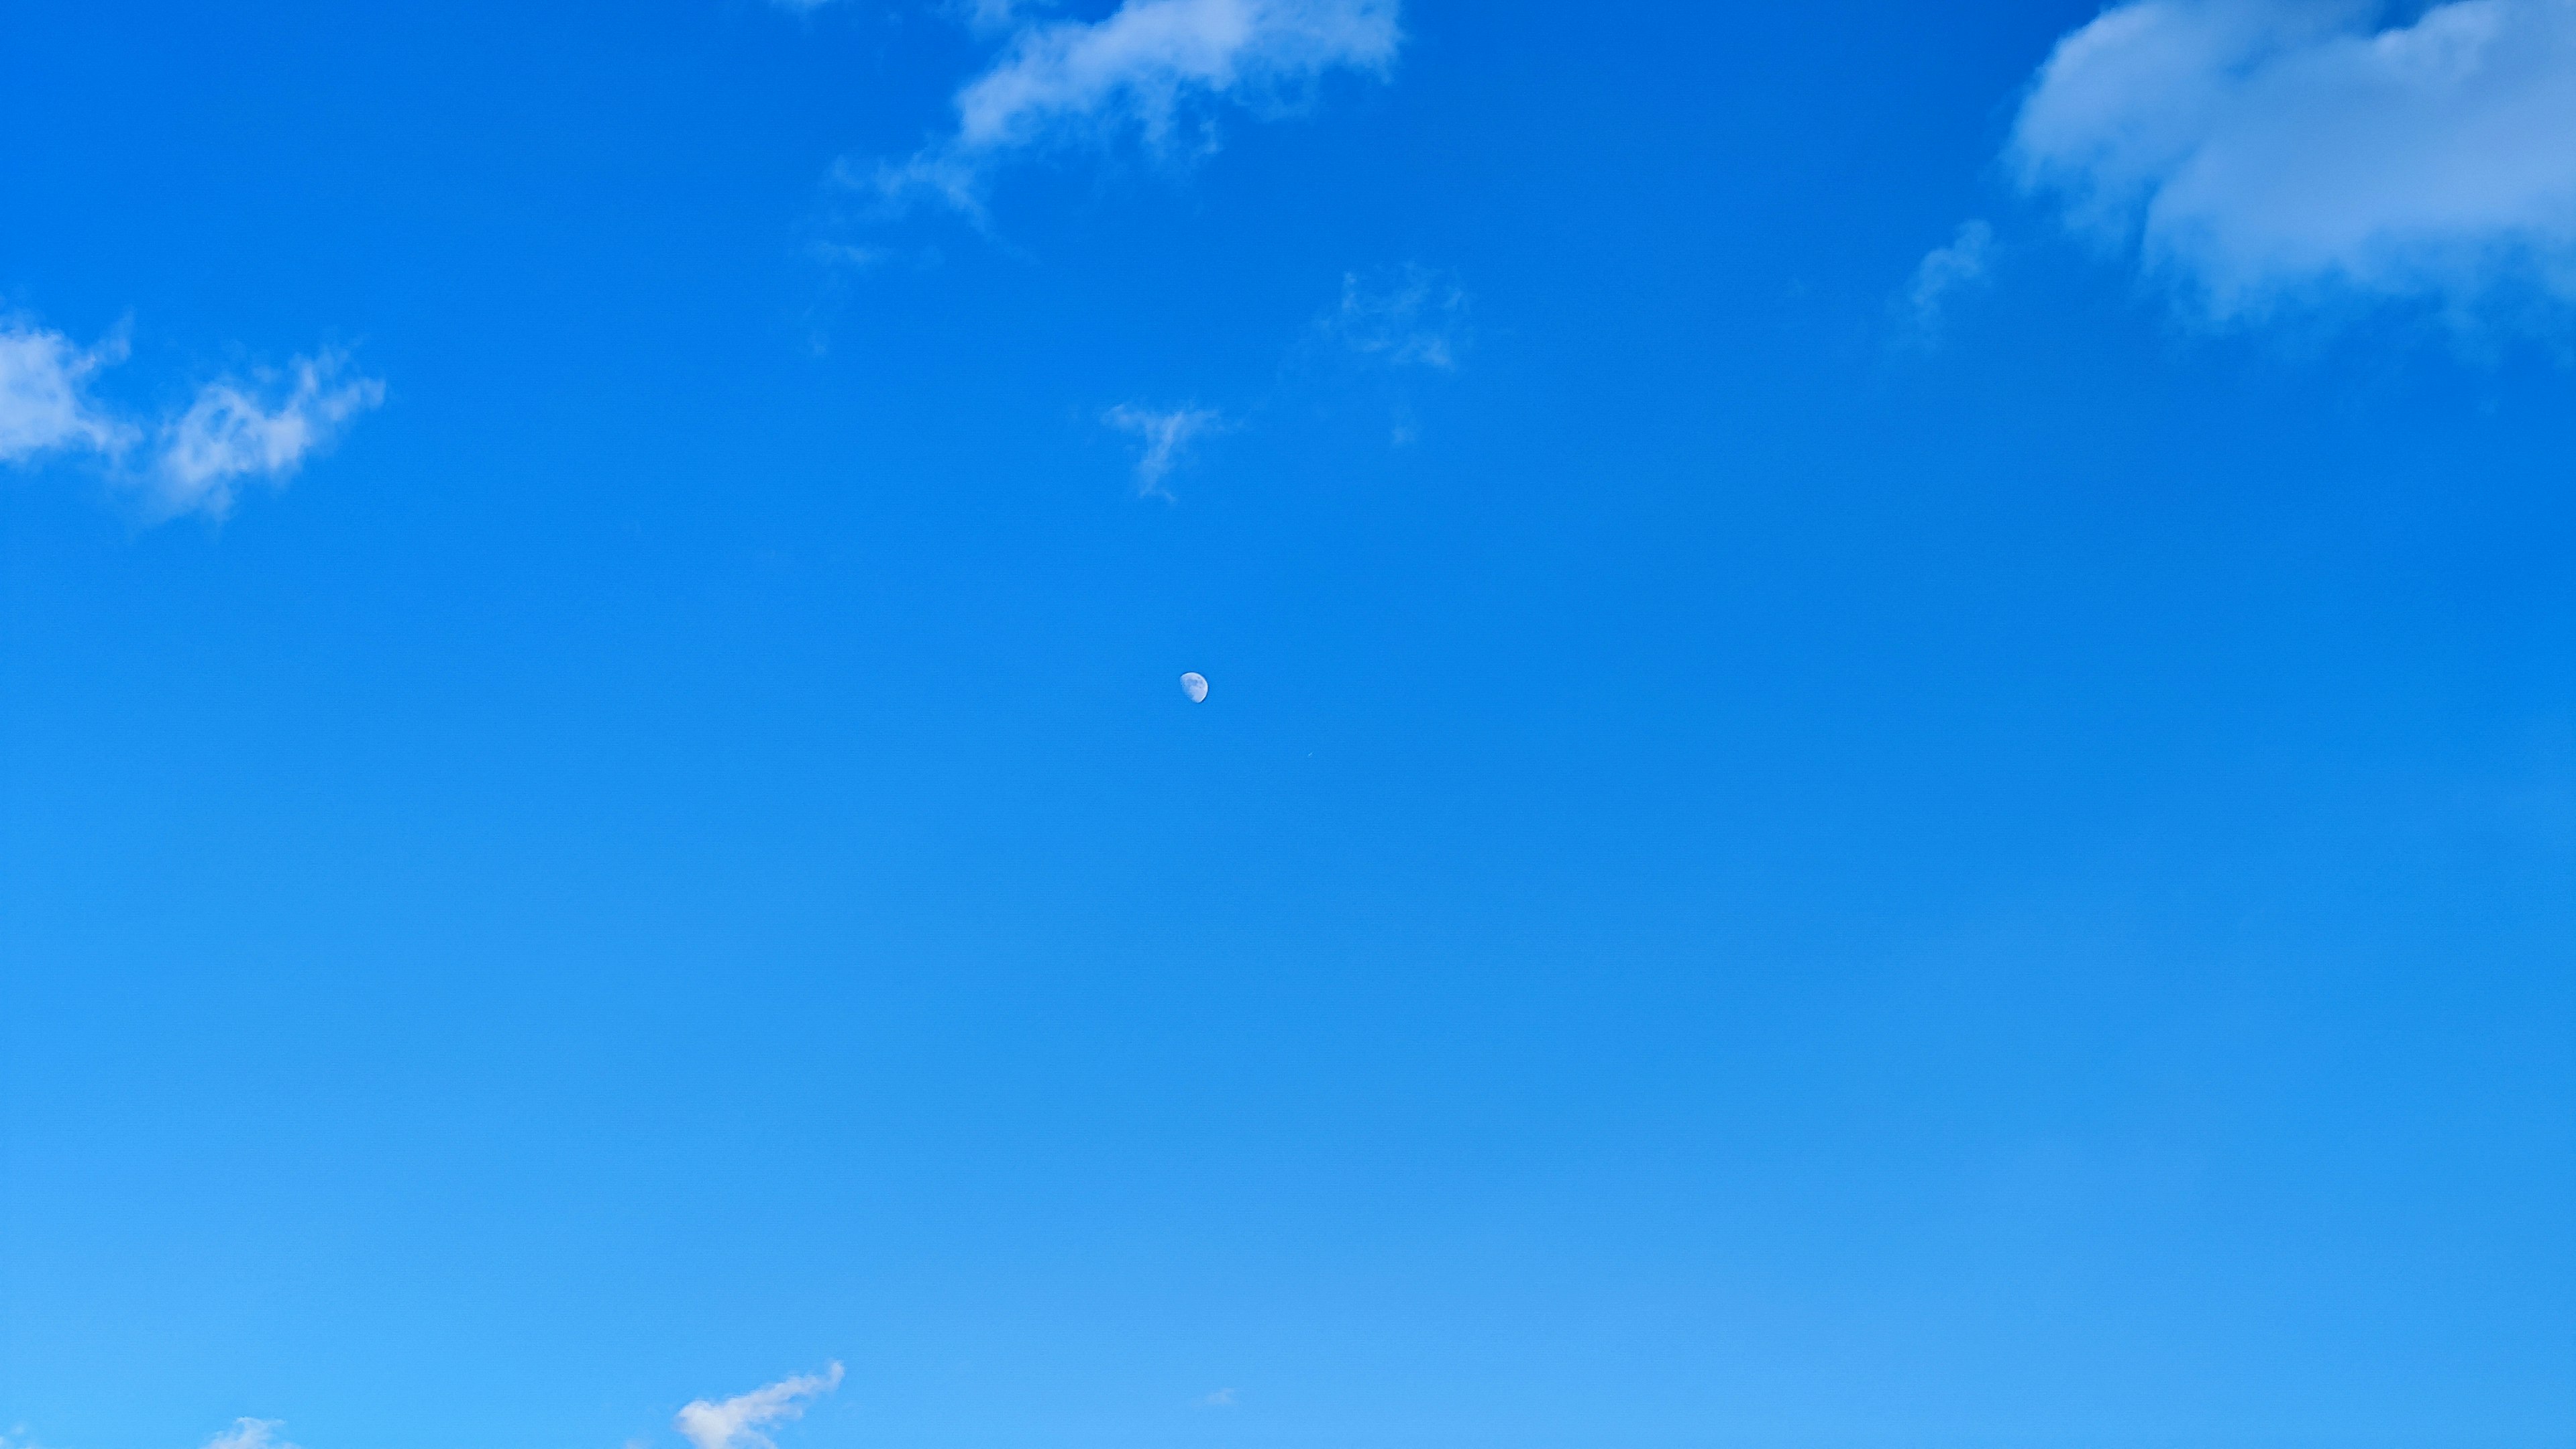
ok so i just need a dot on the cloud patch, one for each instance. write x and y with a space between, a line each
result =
1417 319
45 405
251 1434
1144 70
1166 434
738 1422
1946 270
233 432
2266 151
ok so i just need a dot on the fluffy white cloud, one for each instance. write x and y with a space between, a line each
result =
229 435
736 1423
1137 70
1166 435
44 398
2262 149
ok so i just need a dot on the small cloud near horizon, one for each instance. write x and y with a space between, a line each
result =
251 1434
738 1422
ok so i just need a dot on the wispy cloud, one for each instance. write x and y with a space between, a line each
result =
44 394
251 1434
736 1423
1387 330
2258 151
230 435
1221 1399
1946 269
1143 70
981 16
1167 435
1417 318
233 432
992 17
848 256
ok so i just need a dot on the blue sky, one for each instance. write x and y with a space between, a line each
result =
1890 755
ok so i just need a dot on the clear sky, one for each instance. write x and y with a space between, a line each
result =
1889 759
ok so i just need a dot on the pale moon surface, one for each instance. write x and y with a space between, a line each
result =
1194 685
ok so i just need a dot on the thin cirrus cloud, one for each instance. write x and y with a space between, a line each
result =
234 433
739 1422
1390 323
1418 318
1144 70
2263 151
735 1423
250 1434
984 17
991 17
1166 435
240 1434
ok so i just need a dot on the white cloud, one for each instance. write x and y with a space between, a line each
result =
2257 150
44 397
250 1434
1166 435
229 434
1221 1399
1945 269
736 1423
1138 70
225 436
1420 319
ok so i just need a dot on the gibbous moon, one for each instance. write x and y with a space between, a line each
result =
1194 684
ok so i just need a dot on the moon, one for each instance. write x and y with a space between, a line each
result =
1194 684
